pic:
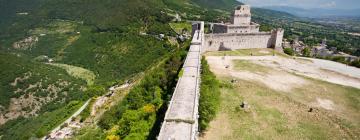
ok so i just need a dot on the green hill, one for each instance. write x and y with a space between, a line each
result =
111 40
29 89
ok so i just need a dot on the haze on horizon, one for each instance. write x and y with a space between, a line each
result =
307 4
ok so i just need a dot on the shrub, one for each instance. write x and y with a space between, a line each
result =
209 96
306 52
289 51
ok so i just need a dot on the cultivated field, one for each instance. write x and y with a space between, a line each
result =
281 91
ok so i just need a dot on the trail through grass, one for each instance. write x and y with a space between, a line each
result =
77 72
178 27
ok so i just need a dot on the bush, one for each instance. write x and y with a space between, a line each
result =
289 51
209 96
355 63
306 52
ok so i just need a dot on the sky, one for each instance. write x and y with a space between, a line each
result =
327 4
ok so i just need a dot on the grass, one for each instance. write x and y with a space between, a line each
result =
269 119
179 26
249 66
284 115
247 52
77 72
347 97
55 27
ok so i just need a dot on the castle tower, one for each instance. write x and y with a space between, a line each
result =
241 15
277 36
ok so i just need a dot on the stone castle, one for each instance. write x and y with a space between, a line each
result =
241 33
181 118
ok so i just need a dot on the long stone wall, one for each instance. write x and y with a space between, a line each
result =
235 41
181 118
216 42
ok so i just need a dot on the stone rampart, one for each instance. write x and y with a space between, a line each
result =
181 118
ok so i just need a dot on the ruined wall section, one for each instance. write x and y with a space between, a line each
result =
218 42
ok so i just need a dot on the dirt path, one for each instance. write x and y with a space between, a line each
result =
69 119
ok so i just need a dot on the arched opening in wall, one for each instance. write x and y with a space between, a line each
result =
210 43
223 48
272 46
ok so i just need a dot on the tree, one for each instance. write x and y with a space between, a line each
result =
112 137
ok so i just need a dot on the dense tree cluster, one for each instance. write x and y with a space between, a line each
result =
146 103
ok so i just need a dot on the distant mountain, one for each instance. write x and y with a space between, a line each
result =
316 12
221 4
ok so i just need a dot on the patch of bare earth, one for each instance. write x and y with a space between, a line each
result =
329 71
28 104
274 79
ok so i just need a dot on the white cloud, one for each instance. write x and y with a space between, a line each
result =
328 5
331 4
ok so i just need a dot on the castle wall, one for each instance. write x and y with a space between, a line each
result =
223 28
242 29
278 36
216 42
241 19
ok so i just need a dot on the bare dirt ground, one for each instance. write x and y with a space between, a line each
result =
281 91
315 68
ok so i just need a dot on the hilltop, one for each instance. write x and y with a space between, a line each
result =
58 54
282 97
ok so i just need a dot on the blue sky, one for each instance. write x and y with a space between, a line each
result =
328 4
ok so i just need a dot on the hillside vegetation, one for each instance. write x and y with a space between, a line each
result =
91 45
30 89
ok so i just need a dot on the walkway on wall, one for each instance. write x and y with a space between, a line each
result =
181 118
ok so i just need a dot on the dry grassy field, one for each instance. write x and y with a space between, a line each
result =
281 91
